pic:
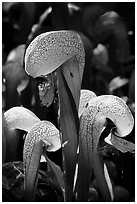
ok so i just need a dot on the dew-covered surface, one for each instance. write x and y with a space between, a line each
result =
42 131
85 97
50 50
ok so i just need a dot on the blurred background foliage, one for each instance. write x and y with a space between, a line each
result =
110 28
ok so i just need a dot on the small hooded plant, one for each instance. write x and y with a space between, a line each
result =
39 134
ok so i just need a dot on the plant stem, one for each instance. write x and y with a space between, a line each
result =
31 174
69 125
99 174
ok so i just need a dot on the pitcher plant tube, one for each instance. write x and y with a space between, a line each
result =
92 122
40 134
63 52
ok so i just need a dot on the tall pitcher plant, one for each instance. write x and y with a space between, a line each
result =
82 116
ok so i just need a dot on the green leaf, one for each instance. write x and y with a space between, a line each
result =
119 143
57 172
69 125
108 182
101 178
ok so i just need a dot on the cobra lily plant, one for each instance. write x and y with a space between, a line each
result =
82 117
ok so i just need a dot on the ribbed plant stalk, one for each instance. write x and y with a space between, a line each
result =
31 173
69 122
92 122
